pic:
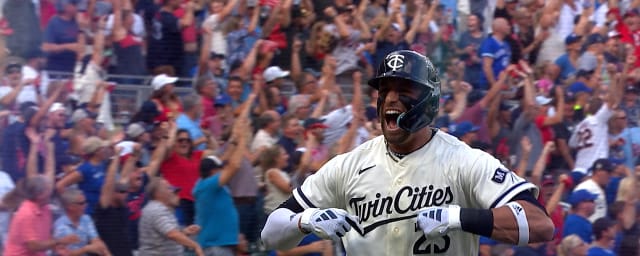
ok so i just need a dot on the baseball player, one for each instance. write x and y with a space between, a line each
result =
414 190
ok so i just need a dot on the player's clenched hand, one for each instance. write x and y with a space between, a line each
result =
326 223
437 221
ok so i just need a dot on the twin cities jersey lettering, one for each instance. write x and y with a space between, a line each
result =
420 198
387 195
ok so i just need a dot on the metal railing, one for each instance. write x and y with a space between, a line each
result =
127 98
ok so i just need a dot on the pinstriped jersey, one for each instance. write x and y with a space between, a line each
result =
387 194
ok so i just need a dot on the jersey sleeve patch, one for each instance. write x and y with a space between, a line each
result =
499 175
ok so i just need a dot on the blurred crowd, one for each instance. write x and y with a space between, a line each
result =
549 87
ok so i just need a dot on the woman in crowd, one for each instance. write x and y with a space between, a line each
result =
278 182
164 103
90 175
180 169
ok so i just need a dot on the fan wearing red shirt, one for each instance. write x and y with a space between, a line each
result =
628 26
180 169
543 121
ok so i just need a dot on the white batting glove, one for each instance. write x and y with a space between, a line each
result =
326 223
437 221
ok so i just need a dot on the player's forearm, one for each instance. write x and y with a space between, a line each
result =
506 228
281 230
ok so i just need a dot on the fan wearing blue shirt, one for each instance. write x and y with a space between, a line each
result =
215 211
566 61
604 230
189 120
495 52
583 206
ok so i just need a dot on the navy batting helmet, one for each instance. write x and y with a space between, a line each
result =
417 69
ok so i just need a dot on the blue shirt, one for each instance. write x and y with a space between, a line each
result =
215 213
599 251
14 150
472 70
61 146
307 240
193 126
500 52
86 230
631 146
566 67
60 31
91 184
579 226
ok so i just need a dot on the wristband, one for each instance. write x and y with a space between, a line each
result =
568 182
454 217
523 224
477 221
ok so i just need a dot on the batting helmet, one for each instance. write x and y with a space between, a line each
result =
417 69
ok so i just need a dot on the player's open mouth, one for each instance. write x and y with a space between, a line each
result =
391 119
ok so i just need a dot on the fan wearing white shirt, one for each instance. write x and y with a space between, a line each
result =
591 136
596 184
13 90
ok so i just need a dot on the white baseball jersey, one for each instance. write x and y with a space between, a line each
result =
387 195
591 138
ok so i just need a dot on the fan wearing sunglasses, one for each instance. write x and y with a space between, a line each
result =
180 168
76 222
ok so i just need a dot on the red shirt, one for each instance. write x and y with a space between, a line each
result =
189 34
208 108
47 11
626 35
182 172
545 130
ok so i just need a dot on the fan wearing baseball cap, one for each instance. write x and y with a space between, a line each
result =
582 207
600 175
274 77
164 104
545 121
90 174
465 131
565 61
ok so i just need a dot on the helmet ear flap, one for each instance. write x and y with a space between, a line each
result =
419 115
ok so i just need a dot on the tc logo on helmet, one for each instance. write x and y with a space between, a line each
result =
395 62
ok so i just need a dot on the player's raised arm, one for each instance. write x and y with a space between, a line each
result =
508 209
